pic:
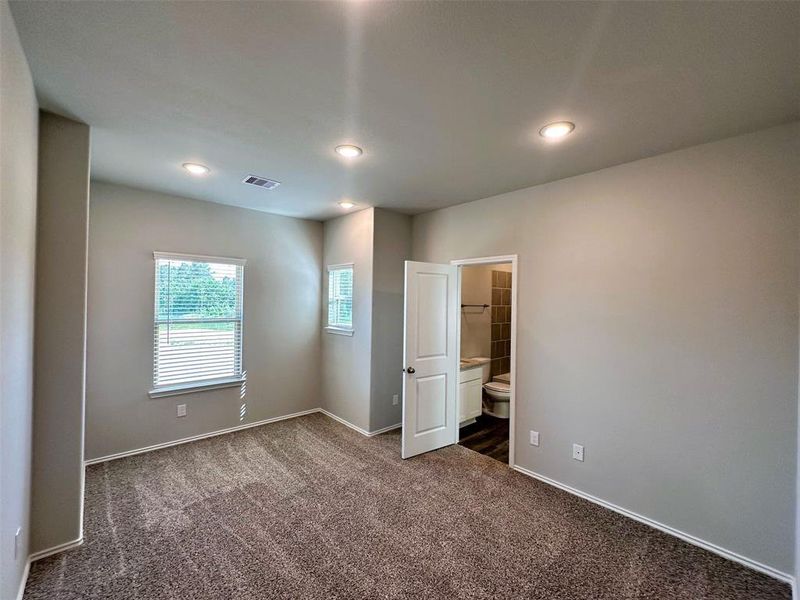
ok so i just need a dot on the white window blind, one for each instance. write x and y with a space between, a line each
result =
340 296
198 319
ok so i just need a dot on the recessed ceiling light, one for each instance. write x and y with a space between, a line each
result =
347 204
349 151
556 130
196 169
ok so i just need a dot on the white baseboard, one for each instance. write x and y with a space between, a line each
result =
194 438
24 580
55 549
384 429
363 432
44 554
344 422
711 547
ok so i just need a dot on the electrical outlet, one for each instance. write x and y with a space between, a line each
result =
181 410
17 540
577 452
534 438
395 400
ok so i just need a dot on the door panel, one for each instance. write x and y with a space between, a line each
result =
431 305
431 405
431 358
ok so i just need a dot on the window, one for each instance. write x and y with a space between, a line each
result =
340 299
198 322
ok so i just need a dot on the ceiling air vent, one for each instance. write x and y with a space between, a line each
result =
262 182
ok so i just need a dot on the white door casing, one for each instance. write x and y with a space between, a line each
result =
513 259
430 382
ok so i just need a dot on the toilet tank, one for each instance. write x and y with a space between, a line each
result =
504 378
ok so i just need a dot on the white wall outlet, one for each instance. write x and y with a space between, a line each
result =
577 452
534 438
17 540
181 410
395 400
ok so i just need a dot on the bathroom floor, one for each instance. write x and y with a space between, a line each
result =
487 435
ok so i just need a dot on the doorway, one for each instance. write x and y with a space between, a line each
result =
486 339
432 411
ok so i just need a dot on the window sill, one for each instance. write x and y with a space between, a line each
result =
340 331
188 388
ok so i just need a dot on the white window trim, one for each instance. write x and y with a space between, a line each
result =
188 388
338 329
224 260
210 384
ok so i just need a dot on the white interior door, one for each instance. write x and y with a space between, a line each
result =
430 383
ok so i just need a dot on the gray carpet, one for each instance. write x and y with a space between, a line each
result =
307 508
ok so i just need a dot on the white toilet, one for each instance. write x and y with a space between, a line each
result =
499 396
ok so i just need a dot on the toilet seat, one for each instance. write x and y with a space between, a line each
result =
498 387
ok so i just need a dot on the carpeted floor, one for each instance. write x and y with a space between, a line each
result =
307 508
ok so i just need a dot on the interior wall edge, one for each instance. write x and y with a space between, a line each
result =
391 247
24 580
39 556
56 549
360 430
345 374
60 331
19 122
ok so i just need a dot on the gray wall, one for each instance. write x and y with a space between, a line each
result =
476 324
391 248
346 359
60 342
281 315
658 326
19 117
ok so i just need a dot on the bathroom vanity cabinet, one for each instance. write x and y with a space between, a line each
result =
470 393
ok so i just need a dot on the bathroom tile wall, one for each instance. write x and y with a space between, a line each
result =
501 322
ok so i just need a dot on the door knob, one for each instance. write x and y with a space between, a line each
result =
411 370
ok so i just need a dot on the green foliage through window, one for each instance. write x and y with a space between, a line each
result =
191 290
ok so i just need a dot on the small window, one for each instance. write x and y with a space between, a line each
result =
340 297
198 321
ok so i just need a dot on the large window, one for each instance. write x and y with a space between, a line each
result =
198 321
340 298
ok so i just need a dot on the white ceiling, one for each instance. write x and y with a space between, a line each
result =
446 98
